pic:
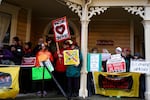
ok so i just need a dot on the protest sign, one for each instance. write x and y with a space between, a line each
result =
140 66
37 73
94 62
28 61
71 57
105 56
61 29
116 64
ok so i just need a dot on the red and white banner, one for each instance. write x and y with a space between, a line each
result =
61 29
28 62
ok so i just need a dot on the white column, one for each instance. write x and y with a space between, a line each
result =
85 14
84 45
146 23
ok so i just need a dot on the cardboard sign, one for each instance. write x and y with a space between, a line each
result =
37 73
48 65
140 66
71 57
94 62
106 56
60 28
116 65
28 61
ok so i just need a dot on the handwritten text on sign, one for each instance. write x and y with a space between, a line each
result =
60 28
140 66
94 62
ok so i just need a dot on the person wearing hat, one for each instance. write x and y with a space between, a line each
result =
118 50
73 73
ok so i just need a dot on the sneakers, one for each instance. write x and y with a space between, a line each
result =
39 93
44 93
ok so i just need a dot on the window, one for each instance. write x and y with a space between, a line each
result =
5 20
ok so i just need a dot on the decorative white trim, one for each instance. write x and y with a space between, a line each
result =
136 10
75 8
96 10
92 10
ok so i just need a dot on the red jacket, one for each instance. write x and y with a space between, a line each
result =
59 64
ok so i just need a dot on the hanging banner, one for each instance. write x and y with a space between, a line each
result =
140 66
116 64
94 62
9 85
61 29
117 84
71 57
28 61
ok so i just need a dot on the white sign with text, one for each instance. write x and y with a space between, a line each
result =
140 66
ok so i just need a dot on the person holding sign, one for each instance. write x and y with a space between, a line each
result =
42 55
60 68
73 73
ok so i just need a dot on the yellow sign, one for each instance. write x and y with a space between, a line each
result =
9 85
71 57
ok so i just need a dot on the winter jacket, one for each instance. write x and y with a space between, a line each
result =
59 62
74 71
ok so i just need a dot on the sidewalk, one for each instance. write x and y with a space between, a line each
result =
53 96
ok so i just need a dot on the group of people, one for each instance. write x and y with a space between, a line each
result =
11 54
68 76
125 53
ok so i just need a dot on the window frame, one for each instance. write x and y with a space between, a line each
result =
13 11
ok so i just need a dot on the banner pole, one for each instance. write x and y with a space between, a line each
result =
58 51
58 85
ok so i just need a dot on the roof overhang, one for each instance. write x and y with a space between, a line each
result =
113 2
119 2
75 1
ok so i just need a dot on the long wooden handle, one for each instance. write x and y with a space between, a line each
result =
58 51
